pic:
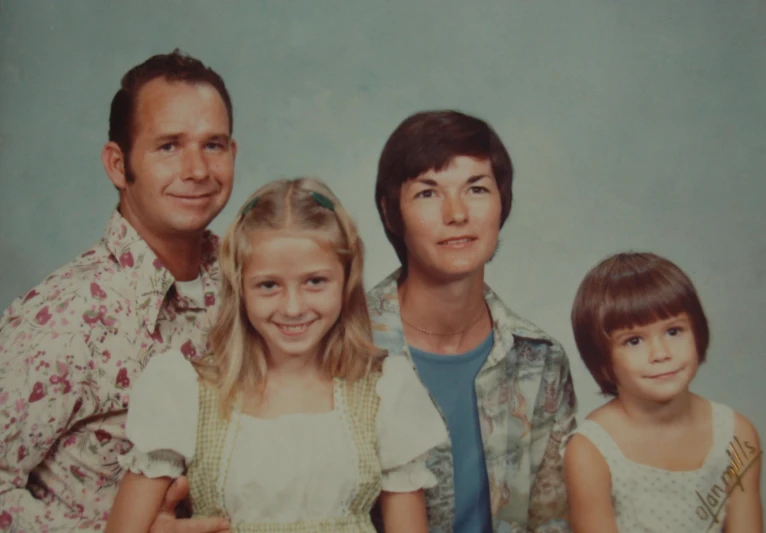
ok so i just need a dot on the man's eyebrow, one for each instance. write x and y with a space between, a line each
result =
166 137
220 137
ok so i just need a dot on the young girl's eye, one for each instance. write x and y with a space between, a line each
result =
675 331
267 285
478 189
632 341
427 193
316 281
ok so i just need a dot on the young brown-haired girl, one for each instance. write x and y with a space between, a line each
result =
656 457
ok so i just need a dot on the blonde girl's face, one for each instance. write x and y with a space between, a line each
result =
655 362
293 290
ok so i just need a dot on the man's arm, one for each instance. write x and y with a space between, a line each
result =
555 411
166 521
41 381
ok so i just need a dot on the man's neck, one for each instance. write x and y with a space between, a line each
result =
180 255
182 258
441 306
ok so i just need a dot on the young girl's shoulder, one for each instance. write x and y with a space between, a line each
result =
745 431
580 442
743 427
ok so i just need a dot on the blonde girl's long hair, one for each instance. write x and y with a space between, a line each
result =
236 359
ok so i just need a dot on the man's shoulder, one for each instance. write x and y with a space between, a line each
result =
75 287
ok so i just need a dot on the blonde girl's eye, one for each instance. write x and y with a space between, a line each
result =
316 281
267 285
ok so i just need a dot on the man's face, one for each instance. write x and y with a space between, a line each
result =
181 161
451 219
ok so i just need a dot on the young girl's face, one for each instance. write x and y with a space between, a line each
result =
293 290
655 362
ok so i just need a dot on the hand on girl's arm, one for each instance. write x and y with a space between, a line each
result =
743 509
147 505
589 488
404 512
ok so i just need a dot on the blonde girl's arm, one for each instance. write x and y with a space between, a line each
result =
404 512
589 488
743 507
137 504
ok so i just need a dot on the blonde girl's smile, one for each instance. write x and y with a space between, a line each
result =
294 330
293 289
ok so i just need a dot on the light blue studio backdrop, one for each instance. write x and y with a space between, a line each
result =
633 125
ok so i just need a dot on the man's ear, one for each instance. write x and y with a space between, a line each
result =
113 160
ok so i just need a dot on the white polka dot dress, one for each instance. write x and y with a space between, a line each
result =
649 499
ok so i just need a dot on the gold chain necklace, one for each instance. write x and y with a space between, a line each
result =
469 326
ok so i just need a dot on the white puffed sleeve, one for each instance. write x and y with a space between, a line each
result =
408 427
162 417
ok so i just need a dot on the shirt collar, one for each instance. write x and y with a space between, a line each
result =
148 278
507 325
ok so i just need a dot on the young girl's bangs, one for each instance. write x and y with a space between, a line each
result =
639 298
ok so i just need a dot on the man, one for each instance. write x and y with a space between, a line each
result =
444 191
71 347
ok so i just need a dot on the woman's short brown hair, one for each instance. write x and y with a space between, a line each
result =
431 140
627 290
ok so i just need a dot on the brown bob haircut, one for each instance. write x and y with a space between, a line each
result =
431 140
174 67
627 290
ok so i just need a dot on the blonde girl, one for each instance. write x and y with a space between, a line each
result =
657 457
294 422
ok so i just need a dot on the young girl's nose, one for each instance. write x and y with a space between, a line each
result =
293 303
659 350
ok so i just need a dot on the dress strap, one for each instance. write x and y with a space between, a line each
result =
602 440
723 429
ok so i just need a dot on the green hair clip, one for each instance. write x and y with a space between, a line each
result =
322 200
249 205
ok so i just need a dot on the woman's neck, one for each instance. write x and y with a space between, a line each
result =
444 317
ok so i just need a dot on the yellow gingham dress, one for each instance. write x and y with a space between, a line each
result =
296 473
215 439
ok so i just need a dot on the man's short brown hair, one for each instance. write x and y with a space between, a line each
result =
628 290
174 67
431 140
